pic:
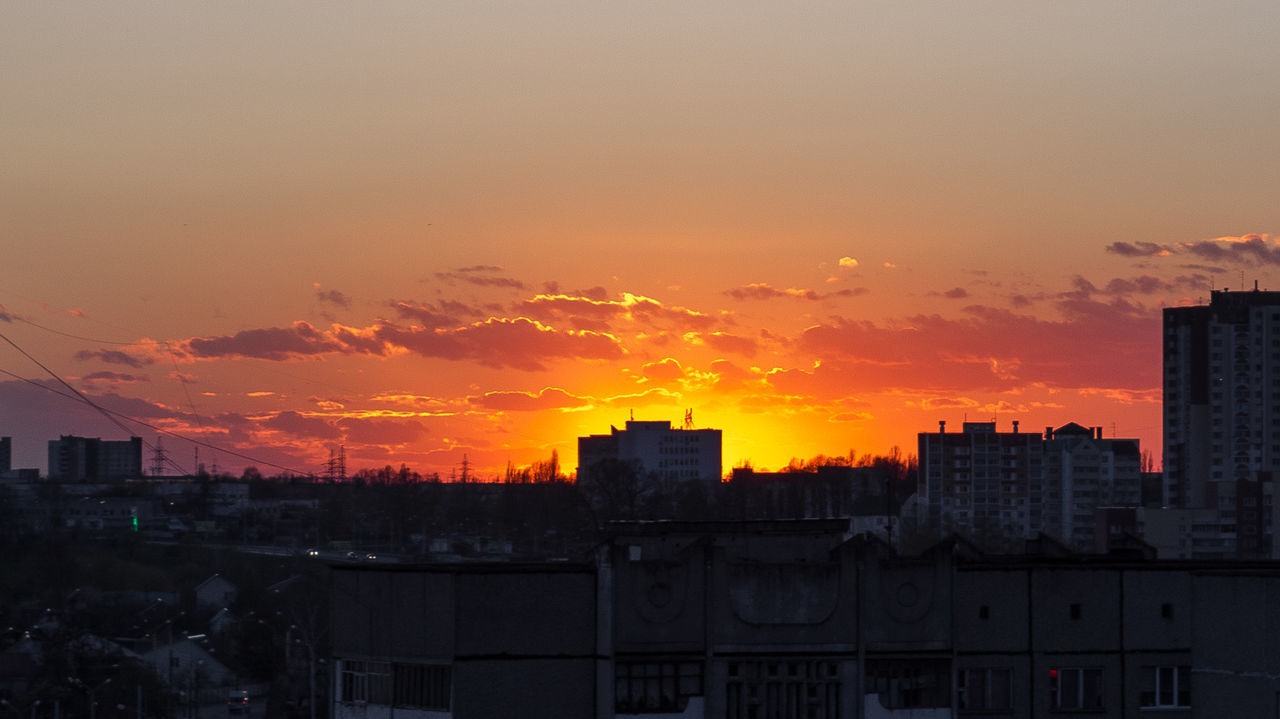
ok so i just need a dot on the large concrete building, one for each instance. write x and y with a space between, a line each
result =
655 449
80 459
1015 485
1221 393
1222 412
779 620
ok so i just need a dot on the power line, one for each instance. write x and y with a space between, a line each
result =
112 415
68 334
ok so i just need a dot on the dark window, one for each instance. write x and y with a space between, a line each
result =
655 686
1075 611
366 681
984 690
422 686
1075 689
782 688
1166 687
1166 610
984 612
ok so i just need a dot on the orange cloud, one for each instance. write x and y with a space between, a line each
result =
546 398
518 344
765 291
380 431
584 312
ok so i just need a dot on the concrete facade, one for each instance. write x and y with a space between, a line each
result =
1222 412
796 619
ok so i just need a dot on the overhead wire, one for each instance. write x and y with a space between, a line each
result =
112 416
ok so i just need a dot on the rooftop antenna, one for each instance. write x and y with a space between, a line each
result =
688 419
633 415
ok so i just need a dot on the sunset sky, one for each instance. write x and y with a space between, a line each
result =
423 230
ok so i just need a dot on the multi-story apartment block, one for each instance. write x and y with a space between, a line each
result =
1082 472
1222 410
78 459
979 480
797 619
1014 485
657 449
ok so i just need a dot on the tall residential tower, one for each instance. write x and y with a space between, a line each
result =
1222 411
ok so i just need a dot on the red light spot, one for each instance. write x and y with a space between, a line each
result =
1053 673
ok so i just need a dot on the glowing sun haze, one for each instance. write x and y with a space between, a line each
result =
428 230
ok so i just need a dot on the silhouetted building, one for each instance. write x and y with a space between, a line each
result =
78 459
797 619
655 449
1083 471
1014 485
979 479
6 454
1221 393
1222 411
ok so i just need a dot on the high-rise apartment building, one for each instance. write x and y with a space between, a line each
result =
1221 393
1222 412
657 449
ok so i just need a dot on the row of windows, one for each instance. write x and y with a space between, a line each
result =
1076 611
655 686
399 684
782 689
1073 689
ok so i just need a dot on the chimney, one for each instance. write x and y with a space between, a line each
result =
1048 432
942 426
1015 426
1097 433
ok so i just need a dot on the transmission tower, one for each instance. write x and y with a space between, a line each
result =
158 458
336 467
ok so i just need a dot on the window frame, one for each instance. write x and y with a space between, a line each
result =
964 695
1083 678
1157 677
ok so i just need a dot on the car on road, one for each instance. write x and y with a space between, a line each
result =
238 702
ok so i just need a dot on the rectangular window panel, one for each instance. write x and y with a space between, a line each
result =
422 686
984 690
1076 689
655 686
1165 687
782 689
